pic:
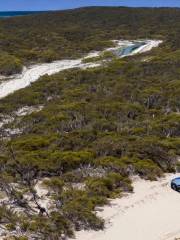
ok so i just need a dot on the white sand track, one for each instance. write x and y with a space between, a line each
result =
33 73
152 212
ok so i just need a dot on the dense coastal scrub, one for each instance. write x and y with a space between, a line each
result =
9 64
97 127
70 34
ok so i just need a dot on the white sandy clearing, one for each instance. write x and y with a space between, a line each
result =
152 212
27 110
32 74
24 111
42 192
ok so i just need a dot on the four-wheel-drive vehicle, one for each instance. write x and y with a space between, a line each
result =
175 184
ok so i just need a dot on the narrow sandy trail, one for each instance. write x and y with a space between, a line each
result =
152 212
33 73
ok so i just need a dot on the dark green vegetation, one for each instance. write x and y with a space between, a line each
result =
98 126
70 34
9 64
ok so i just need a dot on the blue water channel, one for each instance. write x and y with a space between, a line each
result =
124 51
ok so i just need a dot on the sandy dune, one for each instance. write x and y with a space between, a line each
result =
152 212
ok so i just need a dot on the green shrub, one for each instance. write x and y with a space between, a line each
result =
9 64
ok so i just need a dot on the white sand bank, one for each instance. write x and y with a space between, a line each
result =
33 73
152 212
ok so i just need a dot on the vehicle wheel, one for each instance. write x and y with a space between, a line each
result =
173 186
